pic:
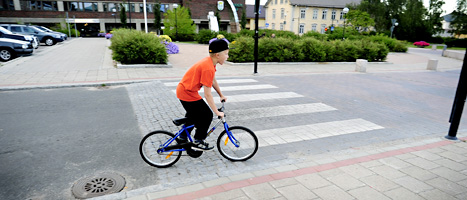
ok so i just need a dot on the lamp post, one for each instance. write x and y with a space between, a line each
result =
176 30
115 16
346 10
394 24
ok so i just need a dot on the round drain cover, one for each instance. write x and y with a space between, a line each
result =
102 184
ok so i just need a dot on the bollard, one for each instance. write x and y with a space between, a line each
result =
361 65
434 47
432 64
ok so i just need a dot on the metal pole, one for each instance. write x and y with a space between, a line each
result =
76 31
68 25
256 36
129 12
145 17
459 101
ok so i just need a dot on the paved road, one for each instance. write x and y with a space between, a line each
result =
326 109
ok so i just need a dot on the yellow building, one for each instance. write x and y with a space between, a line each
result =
250 16
301 16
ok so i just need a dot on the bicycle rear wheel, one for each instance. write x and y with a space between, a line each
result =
154 141
245 139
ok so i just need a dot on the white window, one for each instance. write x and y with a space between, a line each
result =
323 26
282 1
315 14
325 13
282 27
302 13
282 13
273 26
342 15
273 13
313 27
301 28
333 15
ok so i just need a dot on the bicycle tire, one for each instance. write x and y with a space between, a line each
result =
248 144
148 149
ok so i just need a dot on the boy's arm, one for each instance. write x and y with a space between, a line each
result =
216 87
210 100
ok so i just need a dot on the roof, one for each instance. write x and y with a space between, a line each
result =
448 17
250 12
321 3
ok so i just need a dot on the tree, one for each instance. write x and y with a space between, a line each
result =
459 22
434 16
359 19
378 12
181 24
413 23
123 15
157 17
243 20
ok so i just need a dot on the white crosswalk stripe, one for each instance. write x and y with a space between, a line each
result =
255 113
169 84
261 96
242 87
314 131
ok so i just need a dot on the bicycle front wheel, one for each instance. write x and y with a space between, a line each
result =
242 146
154 141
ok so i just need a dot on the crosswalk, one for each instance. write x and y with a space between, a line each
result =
254 91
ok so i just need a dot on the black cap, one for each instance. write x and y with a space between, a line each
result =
218 45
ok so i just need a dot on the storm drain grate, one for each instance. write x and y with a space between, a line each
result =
99 185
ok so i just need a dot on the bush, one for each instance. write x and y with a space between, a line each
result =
392 44
279 50
183 37
241 50
306 49
312 50
454 42
205 35
137 47
316 35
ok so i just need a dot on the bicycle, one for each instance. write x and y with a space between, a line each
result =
163 149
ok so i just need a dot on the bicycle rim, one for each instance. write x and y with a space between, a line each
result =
247 140
151 143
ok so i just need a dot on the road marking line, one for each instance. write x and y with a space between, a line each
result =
262 96
219 81
314 131
275 111
242 87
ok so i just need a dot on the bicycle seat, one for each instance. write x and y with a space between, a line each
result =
179 121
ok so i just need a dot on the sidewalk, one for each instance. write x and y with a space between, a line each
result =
429 167
88 62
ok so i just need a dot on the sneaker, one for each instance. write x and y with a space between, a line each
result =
201 145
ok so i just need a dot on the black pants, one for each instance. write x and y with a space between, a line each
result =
199 114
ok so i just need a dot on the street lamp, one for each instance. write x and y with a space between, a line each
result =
115 15
394 24
176 30
346 10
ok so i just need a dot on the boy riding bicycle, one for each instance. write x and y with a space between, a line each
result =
202 75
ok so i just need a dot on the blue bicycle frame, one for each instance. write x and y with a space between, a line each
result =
185 129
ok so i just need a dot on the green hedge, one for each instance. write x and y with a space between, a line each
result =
137 47
307 49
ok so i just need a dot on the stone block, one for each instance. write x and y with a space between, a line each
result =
432 64
361 65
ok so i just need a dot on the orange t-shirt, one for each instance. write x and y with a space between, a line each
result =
199 75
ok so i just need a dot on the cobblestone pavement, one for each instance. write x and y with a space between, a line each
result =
314 120
325 131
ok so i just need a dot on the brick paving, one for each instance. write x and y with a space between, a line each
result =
420 165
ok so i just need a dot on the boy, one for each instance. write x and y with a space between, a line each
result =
202 75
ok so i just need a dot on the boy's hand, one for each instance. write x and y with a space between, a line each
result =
223 99
220 114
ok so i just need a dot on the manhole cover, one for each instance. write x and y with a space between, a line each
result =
102 184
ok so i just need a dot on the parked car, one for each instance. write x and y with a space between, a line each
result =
29 38
10 48
48 38
63 35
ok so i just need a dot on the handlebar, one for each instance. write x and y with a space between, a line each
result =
221 109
